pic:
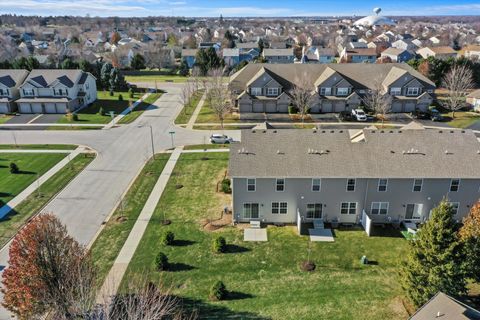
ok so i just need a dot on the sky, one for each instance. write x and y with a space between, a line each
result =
236 8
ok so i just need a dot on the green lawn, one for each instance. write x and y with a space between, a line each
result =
206 146
31 165
462 119
4 118
38 146
133 115
35 202
108 244
264 278
74 127
207 115
187 111
219 127
158 78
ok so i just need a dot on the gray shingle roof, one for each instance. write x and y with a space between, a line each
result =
443 306
46 78
397 153
12 78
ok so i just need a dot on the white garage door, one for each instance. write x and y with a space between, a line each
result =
397 107
245 107
37 108
61 108
50 108
282 108
257 107
327 107
271 107
3 108
25 108
410 107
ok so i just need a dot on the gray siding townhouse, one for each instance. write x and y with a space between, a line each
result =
279 55
336 87
56 91
397 55
10 81
394 175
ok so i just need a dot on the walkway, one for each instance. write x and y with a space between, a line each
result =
37 183
114 277
127 111
196 112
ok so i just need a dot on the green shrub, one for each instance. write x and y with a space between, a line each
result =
131 93
74 117
14 168
161 261
292 110
120 97
226 187
168 238
112 93
219 245
218 291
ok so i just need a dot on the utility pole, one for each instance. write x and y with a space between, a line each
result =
151 141
172 133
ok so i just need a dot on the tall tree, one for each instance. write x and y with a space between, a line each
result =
105 74
207 60
458 81
434 259
470 236
137 62
378 100
303 95
218 95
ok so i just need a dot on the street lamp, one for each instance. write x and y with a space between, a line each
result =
151 138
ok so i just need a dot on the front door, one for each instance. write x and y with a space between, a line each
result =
314 210
413 211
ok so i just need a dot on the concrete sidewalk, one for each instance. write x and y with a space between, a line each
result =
127 111
196 112
116 273
37 183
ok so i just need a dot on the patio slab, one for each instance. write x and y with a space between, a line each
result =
251 234
321 235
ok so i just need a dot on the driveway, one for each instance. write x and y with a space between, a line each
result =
48 118
22 118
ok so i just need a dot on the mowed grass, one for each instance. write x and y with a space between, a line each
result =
38 146
264 279
462 119
31 165
187 111
206 146
158 78
4 118
36 201
110 241
140 108
207 115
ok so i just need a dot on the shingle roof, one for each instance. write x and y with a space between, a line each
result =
11 78
442 50
278 52
393 51
392 153
445 307
45 78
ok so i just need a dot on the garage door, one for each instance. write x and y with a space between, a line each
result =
61 108
397 107
257 107
37 108
315 108
50 108
282 108
327 107
271 107
3 108
339 107
25 108
245 107
410 107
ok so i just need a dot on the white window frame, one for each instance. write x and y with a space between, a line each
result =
455 205
254 184
354 184
276 184
349 208
319 184
283 207
381 185
396 91
457 185
414 185
320 205
272 92
275 208
381 206
325 91
256 91
244 216
413 91
342 91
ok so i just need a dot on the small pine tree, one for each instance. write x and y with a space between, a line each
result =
75 117
120 97
14 168
161 261
131 93
168 238
218 291
435 259
112 93
219 245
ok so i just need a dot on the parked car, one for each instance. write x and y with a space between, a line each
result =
420 115
359 115
435 115
220 138
345 116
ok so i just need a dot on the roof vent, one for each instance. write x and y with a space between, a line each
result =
451 131
280 152
274 131
463 131
253 131
332 131
440 131
314 130
341 131
412 151
323 131
399 131
448 152
382 131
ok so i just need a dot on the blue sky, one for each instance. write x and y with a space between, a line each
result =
236 7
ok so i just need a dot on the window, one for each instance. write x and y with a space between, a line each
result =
272 91
379 208
454 185
251 185
382 185
455 206
316 184
250 210
314 210
348 208
325 91
256 91
413 211
280 185
28 92
412 91
342 91
279 207
395 91
350 184
417 185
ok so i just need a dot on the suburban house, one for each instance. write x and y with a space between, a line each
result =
472 52
231 56
56 91
10 81
279 55
317 55
437 52
390 175
442 306
335 87
189 56
362 55
397 55
248 51
474 100
405 45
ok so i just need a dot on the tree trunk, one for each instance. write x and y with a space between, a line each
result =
453 114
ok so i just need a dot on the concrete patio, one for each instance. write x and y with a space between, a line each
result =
255 234
321 235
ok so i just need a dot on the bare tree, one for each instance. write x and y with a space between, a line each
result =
378 100
303 95
218 95
457 81
186 95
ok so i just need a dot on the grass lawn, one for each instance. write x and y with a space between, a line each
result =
219 127
206 146
34 203
31 165
207 115
462 119
158 78
110 241
264 278
75 127
38 146
133 115
4 118
187 111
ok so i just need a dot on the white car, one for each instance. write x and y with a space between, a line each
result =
220 138
359 115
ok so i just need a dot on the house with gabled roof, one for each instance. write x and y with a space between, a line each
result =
442 52
10 81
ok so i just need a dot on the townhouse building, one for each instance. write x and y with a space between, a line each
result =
10 81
